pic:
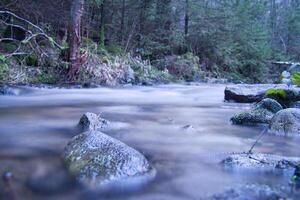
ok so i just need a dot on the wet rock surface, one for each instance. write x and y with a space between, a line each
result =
261 113
93 122
261 161
257 192
246 93
286 122
97 159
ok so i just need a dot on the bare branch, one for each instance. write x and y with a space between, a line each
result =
32 35
22 19
17 26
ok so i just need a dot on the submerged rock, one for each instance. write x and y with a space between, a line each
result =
286 122
262 113
261 161
97 159
257 192
93 122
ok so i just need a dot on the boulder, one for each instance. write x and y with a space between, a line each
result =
261 161
286 122
246 93
92 121
261 113
97 159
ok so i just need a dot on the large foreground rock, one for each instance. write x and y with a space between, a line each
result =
97 159
286 122
261 161
246 93
261 113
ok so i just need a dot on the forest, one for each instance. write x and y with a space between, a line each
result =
149 99
108 42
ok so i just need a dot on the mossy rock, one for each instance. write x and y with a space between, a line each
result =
295 77
284 96
262 113
97 159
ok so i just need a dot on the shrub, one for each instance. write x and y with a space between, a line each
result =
47 78
3 67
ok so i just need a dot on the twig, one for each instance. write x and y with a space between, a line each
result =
257 140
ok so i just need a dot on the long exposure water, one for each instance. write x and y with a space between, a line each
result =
183 130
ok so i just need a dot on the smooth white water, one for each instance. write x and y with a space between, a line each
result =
183 130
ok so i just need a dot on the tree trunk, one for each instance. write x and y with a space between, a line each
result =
102 28
122 22
74 39
186 18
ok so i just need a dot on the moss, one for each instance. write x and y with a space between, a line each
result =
295 78
276 92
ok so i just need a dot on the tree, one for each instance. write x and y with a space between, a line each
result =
74 38
186 18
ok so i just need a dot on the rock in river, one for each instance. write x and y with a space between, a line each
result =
262 112
261 161
92 121
286 122
246 93
256 192
97 159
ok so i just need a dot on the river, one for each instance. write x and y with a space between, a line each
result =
183 130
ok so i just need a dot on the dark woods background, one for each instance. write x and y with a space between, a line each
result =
236 37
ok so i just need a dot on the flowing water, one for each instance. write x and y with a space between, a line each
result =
183 130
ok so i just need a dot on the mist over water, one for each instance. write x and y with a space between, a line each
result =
183 130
